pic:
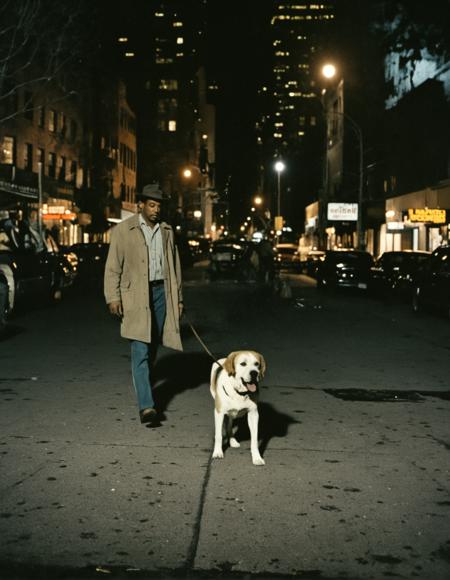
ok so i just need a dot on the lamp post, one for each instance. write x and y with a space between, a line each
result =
329 72
279 168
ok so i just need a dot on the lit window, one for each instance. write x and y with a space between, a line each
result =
52 120
7 151
301 133
177 24
129 54
159 14
179 54
172 126
122 39
180 40
168 85
162 60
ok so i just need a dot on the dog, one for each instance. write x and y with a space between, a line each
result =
234 388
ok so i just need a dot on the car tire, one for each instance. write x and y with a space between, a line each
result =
4 306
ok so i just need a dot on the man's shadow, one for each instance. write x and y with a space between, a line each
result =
179 372
271 424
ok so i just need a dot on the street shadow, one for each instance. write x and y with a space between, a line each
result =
179 372
272 423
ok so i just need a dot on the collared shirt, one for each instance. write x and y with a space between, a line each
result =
153 240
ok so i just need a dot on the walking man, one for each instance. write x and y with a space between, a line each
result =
143 288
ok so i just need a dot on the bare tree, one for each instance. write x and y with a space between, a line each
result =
42 47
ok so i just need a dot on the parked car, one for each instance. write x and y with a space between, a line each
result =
432 285
199 247
91 260
344 268
394 272
29 276
287 256
312 261
233 258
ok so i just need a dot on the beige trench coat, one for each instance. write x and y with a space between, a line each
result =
126 280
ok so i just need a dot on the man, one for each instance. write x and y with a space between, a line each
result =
143 288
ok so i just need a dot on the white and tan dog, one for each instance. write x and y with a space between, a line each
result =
234 387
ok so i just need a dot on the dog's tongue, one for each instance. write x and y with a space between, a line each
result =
251 387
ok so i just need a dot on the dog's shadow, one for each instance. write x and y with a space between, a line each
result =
179 372
271 424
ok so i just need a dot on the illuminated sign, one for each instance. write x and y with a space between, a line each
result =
427 215
59 216
345 212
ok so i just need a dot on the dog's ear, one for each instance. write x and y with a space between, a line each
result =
228 365
262 363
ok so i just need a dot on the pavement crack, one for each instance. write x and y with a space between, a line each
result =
192 552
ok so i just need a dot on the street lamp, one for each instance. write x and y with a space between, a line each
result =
329 71
279 168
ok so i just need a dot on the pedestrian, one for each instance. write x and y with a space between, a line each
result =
143 288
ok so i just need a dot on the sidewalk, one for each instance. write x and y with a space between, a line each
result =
349 490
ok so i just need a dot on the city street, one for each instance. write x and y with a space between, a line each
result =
354 431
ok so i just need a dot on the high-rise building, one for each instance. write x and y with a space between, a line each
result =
161 51
290 106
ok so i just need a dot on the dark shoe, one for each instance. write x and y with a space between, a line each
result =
148 415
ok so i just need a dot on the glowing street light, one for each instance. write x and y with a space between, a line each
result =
187 173
279 168
329 71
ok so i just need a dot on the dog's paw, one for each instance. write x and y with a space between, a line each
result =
258 461
234 443
217 454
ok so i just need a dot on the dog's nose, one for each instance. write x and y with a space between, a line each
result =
254 375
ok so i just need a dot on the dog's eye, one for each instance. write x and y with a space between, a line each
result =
243 364
256 364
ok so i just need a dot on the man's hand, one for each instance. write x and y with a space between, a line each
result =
116 308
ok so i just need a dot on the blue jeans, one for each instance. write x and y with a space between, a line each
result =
143 354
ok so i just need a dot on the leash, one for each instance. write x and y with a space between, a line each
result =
197 336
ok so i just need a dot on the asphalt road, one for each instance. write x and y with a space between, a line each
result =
353 424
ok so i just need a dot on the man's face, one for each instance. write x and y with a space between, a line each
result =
151 210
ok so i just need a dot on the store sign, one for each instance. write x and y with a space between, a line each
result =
427 215
344 212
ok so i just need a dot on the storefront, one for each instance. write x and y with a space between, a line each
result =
417 221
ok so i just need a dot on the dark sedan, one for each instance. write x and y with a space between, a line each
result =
432 286
394 272
344 269
233 258
28 276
